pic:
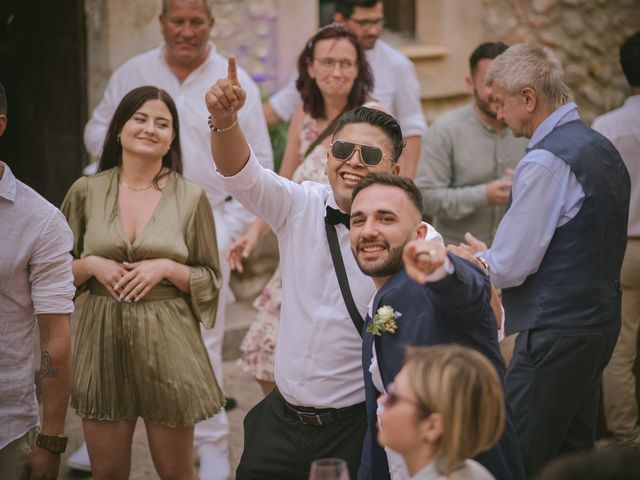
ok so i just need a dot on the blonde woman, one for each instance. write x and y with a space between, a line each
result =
445 406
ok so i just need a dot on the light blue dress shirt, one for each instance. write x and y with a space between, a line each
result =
545 195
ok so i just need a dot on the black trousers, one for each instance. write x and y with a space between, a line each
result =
278 446
553 388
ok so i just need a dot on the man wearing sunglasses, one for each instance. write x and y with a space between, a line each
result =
396 85
447 303
317 409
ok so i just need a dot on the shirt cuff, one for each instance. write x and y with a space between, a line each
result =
245 178
413 125
441 272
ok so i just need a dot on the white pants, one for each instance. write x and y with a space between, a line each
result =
231 221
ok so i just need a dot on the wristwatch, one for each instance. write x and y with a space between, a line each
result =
54 443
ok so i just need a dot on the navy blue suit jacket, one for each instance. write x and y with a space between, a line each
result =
455 309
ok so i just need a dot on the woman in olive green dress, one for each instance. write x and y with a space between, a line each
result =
145 249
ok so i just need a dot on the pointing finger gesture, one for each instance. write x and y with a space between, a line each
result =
226 97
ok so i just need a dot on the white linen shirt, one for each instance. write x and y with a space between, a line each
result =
318 354
395 86
35 278
151 68
622 127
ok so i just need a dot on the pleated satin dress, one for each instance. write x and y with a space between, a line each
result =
145 359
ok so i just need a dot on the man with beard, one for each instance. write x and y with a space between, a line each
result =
468 158
448 303
317 409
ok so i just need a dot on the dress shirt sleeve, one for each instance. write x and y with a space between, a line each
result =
205 279
254 125
286 100
537 205
50 275
407 105
96 129
266 194
435 177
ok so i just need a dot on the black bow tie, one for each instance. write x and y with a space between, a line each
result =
335 217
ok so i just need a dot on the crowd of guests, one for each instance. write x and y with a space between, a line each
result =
379 339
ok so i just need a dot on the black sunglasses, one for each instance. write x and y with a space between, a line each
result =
370 156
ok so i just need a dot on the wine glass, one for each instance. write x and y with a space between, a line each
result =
329 469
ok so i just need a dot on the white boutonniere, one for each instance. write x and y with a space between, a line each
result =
384 321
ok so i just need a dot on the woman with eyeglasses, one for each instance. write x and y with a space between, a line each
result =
445 406
334 77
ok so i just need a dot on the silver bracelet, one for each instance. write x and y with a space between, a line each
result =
222 130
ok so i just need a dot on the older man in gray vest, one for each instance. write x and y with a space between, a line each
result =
557 256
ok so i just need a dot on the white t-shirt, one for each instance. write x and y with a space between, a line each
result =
396 87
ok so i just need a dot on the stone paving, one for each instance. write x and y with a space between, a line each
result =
238 385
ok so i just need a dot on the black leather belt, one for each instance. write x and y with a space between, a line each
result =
321 416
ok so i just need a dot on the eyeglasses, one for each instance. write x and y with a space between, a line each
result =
392 398
370 156
329 64
365 23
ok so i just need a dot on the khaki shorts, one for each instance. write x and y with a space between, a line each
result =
14 456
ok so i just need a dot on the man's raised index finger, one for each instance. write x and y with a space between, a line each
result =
233 70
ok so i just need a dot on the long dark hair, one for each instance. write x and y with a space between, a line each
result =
112 149
312 100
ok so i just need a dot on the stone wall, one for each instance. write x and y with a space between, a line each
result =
586 35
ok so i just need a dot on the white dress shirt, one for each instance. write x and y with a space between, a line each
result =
622 127
151 68
318 361
35 279
395 86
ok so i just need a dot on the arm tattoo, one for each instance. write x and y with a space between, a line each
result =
46 370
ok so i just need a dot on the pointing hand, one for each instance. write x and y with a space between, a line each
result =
226 97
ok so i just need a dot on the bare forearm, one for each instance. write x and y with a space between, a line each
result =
230 149
178 274
55 370
82 270
411 156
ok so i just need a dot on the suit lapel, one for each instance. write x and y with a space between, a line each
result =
392 284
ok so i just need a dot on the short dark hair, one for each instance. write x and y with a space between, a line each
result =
3 100
630 59
346 7
312 100
111 155
391 180
377 118
487 50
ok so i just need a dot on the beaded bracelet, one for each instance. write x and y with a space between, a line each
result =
222 130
